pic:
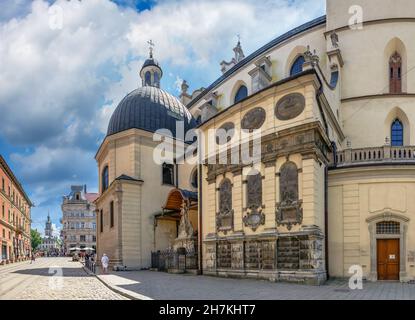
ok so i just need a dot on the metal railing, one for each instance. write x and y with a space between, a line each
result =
90 265
385 154
171 259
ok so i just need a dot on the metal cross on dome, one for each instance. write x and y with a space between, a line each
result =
151 47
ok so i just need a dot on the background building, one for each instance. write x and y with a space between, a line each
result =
78 219
50 245
15 218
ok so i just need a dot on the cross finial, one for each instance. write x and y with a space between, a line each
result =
239 38
151 47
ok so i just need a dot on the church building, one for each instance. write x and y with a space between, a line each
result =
332 101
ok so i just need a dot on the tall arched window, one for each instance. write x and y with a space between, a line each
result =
147 77
156 79
194 179
241 94
297 66
168 174
397 133
395 73
105 179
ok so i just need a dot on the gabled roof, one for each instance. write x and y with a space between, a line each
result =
307 26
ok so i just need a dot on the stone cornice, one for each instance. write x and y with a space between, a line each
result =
15 181
371 22
305 78
379 96
309 140
116 186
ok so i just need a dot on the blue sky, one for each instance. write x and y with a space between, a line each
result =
60 82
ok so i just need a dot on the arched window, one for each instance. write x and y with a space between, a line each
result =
168 174
241 94
147 78
395 73
156 79
194 180
105 179
297 66
397 133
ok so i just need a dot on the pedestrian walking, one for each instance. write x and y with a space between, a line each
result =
104 261
33 259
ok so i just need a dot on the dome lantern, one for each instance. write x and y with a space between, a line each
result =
151 71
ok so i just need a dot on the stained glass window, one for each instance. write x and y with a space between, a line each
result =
105 179
241 94
297 66
397 133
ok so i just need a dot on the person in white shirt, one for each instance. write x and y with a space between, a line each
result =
104 261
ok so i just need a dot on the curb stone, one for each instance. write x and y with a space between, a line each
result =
125 293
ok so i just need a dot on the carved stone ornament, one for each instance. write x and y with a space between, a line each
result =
224 218
290 106
289 210
185 227
254 218
254 119
225 133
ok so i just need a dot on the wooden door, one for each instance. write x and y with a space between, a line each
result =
388 259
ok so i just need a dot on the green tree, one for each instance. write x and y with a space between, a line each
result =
36 239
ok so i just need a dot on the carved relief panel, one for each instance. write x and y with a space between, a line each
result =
254 119
254 215
224 218
290 106
289 209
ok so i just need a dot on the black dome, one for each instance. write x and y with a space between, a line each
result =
150 62
150 108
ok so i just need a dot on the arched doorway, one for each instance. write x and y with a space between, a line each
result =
388 246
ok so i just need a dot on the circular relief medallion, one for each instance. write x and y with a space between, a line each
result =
290 106
254 119
225 133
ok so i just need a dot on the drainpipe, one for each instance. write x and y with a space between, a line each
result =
177 175
326 188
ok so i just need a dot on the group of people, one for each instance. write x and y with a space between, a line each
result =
91 258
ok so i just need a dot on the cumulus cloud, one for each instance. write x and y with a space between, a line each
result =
59 86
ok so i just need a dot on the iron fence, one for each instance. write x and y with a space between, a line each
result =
174 259
90 265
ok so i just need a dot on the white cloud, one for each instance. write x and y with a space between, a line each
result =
58 88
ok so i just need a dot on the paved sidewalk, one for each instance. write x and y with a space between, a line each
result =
51 279
160 286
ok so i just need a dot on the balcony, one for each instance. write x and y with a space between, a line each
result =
376 155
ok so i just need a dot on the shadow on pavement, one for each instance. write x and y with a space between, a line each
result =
57 271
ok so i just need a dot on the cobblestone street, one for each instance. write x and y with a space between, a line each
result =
51 279
164 286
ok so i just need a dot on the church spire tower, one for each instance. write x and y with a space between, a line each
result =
48 227
151 71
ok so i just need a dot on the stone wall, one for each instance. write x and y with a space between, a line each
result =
295 257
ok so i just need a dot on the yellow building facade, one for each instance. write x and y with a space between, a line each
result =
328 106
